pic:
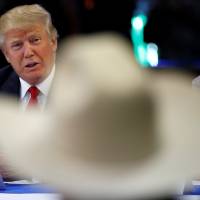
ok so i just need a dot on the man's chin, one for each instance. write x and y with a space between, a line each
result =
34 80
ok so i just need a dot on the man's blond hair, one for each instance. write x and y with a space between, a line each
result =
26 15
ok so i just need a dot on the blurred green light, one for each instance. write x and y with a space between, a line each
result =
137 34
141 54
139 22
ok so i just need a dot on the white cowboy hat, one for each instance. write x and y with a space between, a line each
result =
111 129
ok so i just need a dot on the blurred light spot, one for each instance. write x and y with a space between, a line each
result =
152 54
138 22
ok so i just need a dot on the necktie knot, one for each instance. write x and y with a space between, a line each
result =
34 92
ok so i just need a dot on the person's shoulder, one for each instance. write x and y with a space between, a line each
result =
6 69
196 82
5 73
9 81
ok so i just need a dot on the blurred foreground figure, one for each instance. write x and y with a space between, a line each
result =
111 132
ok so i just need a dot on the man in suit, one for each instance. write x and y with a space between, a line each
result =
28 41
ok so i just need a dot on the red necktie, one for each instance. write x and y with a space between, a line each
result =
34 92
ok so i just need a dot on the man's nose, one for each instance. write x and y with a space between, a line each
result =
28 51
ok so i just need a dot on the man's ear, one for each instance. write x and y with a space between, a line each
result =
5 54
7 58
54 43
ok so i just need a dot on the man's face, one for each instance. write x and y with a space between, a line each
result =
31 52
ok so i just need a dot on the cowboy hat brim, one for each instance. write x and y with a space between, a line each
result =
159 113
36 151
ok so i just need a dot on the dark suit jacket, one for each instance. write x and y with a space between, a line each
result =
9 82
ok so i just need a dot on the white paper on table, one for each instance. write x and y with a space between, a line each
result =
35 196
189 197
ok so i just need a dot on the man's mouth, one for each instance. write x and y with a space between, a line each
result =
31 65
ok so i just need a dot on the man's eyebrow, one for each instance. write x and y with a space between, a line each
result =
14 40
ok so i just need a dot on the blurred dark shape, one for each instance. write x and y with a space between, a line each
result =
89 4
173 26
107 16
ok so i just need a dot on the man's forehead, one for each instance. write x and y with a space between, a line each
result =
23 31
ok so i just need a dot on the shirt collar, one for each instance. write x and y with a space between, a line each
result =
44 86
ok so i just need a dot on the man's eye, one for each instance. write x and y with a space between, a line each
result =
35 40
16 46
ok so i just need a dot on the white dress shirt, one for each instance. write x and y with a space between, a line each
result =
44 88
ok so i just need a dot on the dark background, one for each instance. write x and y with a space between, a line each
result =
174 25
